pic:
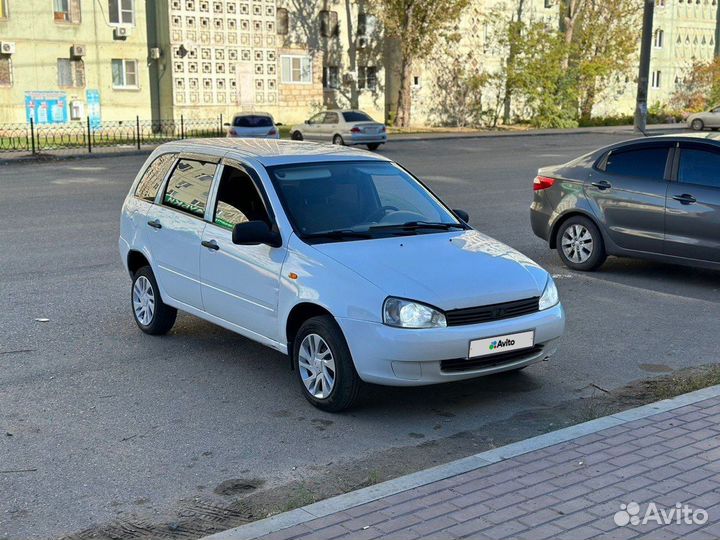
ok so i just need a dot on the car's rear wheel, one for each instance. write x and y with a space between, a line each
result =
324 365
697 124
296 136
151 314
373 146
337 139
580 244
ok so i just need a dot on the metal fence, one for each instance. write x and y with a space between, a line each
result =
87 136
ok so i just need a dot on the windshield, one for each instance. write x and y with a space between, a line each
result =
346 200
252 121
355 116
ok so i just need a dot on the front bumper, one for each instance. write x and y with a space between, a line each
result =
405 357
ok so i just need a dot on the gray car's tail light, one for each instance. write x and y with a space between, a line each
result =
542 182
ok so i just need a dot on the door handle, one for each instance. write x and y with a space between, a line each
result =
155 224
685 198
602 184
210 244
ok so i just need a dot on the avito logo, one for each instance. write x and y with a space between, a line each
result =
500 343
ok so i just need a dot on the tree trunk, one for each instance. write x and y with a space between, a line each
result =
402 116
352 54
512 53
588 103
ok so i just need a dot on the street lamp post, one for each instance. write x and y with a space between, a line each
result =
644 72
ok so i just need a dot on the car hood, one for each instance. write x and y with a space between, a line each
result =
448 270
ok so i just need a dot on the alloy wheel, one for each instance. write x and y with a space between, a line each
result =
317 366
577 243
143 298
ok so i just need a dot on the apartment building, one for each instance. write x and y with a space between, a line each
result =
66 60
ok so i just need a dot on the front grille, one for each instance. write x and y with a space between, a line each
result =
493 312
470 364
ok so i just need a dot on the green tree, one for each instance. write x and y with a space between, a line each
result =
699 89
603 47
415 25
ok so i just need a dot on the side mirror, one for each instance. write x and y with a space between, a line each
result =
226 124
252 233
278 123
307 121
462 214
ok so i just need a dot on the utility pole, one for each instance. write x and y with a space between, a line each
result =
644 73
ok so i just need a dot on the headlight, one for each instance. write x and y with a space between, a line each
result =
409 314
550 296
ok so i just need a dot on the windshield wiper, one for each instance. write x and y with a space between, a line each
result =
415 225
338 234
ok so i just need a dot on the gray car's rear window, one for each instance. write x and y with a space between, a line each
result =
252 121
354 116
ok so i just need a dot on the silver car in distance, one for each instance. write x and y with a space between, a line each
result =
343 127
339 258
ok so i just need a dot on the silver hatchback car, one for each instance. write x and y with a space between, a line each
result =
255 125
345 127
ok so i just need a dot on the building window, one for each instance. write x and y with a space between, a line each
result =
283 21
71 73
367 78
362 24
549 3
5 70
3 9
124 73
67 10
416 81
121 11
296 69
656 79
661 3
331 77
329 26
659 38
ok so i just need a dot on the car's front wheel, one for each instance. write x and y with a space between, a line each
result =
324 365
337 139
151 314
580 244
296 136
697 124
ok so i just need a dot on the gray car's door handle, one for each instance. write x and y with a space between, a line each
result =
685 198
155 224
210 244
602 184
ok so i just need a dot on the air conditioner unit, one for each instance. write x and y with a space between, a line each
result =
77 51
122 32
154 53
7 47
362 42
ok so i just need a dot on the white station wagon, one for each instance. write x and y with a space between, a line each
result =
339 258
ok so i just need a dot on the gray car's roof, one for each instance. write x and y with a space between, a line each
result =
274 151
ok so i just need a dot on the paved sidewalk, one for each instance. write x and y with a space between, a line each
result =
598 479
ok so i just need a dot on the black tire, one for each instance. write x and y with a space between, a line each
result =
346 382
697 124
597 255
337 139
296 136
163 317
373 146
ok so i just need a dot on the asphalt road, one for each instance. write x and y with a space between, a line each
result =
105 423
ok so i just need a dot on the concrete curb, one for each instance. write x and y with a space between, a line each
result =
454 468
399 137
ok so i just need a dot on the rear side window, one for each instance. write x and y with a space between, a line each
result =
355 116
189 185
640 162
699 167
154 175
251 121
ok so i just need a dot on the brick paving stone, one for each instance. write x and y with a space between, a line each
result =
568 491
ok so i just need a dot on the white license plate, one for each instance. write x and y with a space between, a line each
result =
501 344
371 130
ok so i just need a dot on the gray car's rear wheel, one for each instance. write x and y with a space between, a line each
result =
697 124
296 136
337 139
324 365
151 314
580 244
373 146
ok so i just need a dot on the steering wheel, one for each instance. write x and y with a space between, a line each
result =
381 212
400 217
